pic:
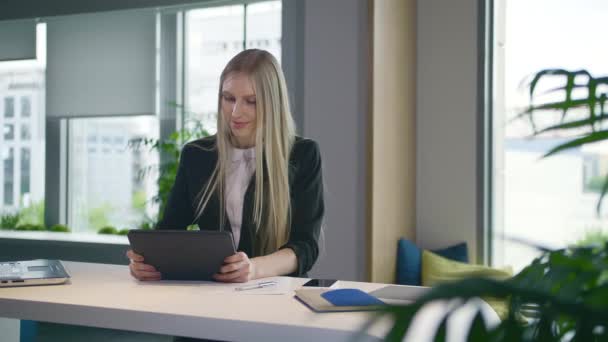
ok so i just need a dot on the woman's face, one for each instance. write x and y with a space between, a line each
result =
238 108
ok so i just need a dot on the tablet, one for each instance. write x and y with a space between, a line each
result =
182 254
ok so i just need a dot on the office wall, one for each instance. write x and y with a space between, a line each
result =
447 116
336 102
393 135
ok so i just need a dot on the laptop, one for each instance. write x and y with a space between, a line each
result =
32 272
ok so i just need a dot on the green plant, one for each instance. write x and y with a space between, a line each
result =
593 237
193 227
560 296
169 150
32 214
98 217
577 108
59 228
107 230
30 227
138 201
9 221
124 231
147 225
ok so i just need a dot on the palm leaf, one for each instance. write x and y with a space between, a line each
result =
598 206
578 142
593 103
479 330
574 124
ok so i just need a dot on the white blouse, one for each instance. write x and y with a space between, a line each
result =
239 174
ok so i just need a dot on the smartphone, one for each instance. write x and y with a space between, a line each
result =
320 282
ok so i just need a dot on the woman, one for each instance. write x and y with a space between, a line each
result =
254 177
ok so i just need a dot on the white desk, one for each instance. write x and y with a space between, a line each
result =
106 296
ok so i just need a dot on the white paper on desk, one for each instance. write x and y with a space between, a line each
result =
283 286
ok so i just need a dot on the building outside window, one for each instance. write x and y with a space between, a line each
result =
548 201
8 157
26 133
9 132
26 106
22 142
25 171
109 188
9 107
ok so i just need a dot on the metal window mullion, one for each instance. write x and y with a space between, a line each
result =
181 70
245 26
63 171
485 153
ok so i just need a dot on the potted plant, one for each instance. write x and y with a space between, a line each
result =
169 150
560 296
9 221
563 294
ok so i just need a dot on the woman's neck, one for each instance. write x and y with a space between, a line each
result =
243 144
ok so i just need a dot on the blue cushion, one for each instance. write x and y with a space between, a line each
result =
28 331
409 260
457 252
409 263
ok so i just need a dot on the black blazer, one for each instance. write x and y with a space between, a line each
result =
197 162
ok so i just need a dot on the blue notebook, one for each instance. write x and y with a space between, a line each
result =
339 300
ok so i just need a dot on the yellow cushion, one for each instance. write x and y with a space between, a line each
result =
437 270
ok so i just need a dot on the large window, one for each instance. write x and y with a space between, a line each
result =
233 29
22 104
101 179
548 201
108 182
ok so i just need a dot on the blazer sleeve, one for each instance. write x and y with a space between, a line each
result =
179 212
308 207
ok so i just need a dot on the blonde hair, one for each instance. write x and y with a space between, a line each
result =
274 138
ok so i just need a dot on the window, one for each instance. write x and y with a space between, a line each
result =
9 132
22 142
9 107
107 182
9 175
26 134
26 107
263 27
207 54
109 188
548 201
25 171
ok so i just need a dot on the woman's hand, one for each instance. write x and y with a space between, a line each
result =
139 270
238 268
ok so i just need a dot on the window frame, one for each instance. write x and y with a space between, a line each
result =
111 249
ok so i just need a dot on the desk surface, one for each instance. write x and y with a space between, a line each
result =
107 296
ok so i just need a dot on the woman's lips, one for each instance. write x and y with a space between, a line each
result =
239 125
